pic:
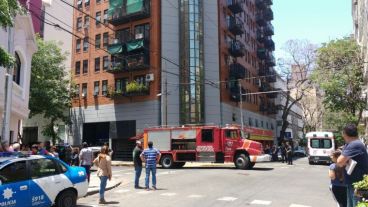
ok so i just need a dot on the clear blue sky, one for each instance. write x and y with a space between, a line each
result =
315 20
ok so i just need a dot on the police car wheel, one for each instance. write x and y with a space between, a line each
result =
242 162
67 198
167 161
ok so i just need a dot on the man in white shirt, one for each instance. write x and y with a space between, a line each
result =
86 159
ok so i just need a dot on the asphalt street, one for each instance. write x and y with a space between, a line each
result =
268 184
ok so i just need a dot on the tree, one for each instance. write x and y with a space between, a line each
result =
313 110
8 10
295 68
339 72
50 92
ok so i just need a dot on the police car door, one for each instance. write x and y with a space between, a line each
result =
47 181
14 186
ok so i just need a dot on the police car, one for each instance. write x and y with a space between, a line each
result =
40 181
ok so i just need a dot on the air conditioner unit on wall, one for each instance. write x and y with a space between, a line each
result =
149 77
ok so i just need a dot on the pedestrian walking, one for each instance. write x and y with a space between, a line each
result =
150 156
338 186
85 159
289 154
103 163
283 153
137 164
354 151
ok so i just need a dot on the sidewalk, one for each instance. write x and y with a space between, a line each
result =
187 164
94 185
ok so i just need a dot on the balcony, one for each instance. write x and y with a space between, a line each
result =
264 87
138 61
262 107
234 91
268 14
272 95
268 29
236 26
270 60
237 71
263 72
121 12
116 66
260 36
136 46
269 44
268 2
236 48
271 78
236 6
261 21
262 53
260 4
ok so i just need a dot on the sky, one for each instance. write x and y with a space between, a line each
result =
315 20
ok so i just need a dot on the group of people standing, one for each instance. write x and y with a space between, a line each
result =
286 152
343 173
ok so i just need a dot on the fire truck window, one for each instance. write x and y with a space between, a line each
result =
207 135
231 134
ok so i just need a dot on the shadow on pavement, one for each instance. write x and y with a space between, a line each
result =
262 169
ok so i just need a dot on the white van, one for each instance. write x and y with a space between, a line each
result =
320 147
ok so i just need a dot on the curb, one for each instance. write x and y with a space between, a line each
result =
123 165
92 192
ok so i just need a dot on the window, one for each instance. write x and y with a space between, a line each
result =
142 31
96 89
98 41
85 66
79 23
86 21
105 18
77 90
262 124
231 134
86 3
43 168
77 67
250 121
84 90
120 84
104 87
78 45
97 64
14 172
105 39
123 35
256 122
85 44
98 18
79 4
321 143
98 1
105 62
17 69
207 135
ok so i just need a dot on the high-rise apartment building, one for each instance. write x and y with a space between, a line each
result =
141 63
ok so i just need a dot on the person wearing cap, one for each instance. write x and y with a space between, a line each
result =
137 163
86 159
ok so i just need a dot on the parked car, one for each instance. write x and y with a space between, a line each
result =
300 153
36 180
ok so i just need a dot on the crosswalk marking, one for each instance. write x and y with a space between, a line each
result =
122 191
297 205
144 192
128 173
195 196
230 199
168 194
260 202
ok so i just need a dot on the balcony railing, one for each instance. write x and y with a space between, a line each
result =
261 21
236 6
262 53
269 44
237 71
264 87
121 12
116 66
272 95
260 36
260 4
236 26
268 29
236 48
137 61
268 14
263 71
271 78
270 60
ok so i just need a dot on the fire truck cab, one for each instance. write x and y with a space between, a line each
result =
204 144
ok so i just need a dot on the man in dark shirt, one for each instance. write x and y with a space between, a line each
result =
137 163
355 150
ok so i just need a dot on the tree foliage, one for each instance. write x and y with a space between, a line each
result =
8 10
49 92
339 73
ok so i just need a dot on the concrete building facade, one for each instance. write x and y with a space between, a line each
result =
149 63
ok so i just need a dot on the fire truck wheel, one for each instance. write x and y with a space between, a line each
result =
251 165
242 162
167 161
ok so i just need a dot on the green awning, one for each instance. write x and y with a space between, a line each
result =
134 6
134 45
115 7
115 49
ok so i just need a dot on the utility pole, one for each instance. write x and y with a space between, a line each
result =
166 100
5 132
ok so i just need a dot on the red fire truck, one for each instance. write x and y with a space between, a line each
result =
204 144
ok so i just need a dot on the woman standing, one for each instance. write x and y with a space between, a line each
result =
338 186
103 162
